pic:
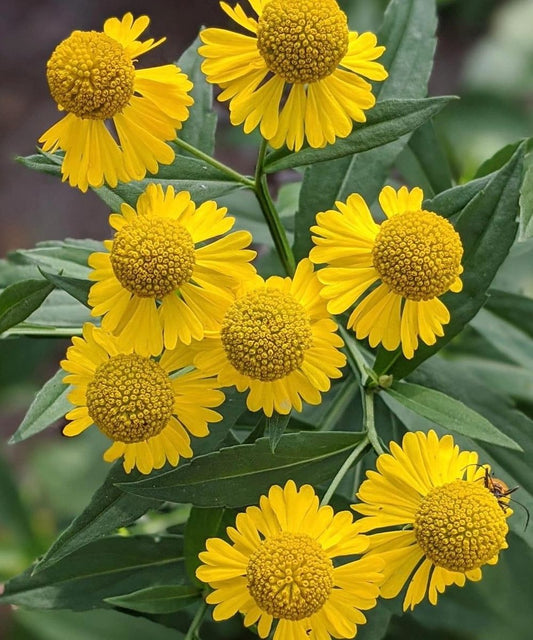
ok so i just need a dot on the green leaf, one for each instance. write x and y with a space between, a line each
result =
19 300
276 426
408 32
387 121
449 413
510 341
103 569
49 405
108 510
164 599
201 525
199 128
104 625
515 382
514 308
423 162
487 226
237 476
68 257
203 181
526 202
43 162
77 288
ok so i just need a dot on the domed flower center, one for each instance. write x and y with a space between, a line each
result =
152 257
290 576
460 525
265 334
302 40
418 254
90 75
130 398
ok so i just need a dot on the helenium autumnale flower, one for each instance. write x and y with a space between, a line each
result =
93 79
133 400
437 522
414 256
298 76
279 568
169 272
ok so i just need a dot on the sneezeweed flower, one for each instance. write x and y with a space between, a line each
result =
281 567
93 79
160 281
415 255
133 400
441 522
277 340
302 55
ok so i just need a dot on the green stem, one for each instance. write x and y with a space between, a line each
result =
273 221
344 469
196 621
369 422
234 175
355 357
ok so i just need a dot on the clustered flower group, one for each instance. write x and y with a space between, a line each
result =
183 313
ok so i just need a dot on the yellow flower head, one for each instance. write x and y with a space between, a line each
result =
280 567
303 46
277 340
92 77
133 400
415 255
446 522
160 282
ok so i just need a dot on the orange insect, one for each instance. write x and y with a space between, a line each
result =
500 490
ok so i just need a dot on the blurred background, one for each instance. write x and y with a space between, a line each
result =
484 54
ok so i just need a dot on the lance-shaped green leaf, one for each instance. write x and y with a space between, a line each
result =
199 128
66 257
387 121
487 226
408 33
103 569
423 162
203 181
49 405
237 476
164 599
510 341
514 308
203 524
449 413
20 300
110 508
76 287
526 202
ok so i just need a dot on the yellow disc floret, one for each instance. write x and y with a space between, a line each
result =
90 75
460 525
130 398
290 576
418 254
152 256
265 334
302 40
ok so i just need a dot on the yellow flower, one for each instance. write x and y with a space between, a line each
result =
92 77
301 44
415 254
134 401
278 341
280 567
160 282
446 522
